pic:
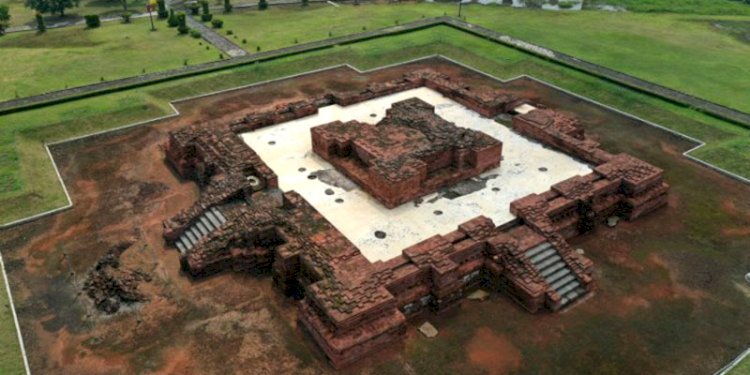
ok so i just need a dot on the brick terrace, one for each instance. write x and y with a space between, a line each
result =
351 307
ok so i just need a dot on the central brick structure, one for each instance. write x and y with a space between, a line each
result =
410 153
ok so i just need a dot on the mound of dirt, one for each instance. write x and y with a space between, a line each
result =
110 285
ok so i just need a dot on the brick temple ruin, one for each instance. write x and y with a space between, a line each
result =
351 307
410 153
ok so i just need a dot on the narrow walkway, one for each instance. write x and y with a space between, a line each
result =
218 40
72 22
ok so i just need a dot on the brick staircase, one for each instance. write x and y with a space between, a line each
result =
555 272
207 222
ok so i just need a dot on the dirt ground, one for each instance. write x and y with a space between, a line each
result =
671 296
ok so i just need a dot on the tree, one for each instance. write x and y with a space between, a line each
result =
40 26
51 6
227 6
263 4
4 18
305 3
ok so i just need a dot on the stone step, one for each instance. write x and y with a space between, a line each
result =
557 275
191 236
542 256
186 241
212 217
181 247
548 262
549 270
195 233
571 296
563 281
207 223
219 215
201 228
568 287
537 249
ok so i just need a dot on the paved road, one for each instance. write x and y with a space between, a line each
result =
213 37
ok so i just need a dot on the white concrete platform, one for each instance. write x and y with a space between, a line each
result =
286 148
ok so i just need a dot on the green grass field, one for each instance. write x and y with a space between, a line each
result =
28 184
728 7
11 362
667 49
742 368
74 56
21 15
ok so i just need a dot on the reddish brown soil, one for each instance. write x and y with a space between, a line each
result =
234 323
493 352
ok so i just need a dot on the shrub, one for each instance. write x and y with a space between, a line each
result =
182 25
305 3
161 9
206 17
566 4
195 34
126 17
257 49
4 18
244 41
92 21
263 4
204 6
40 25
230 32
217 23
172 20
194 9
227 6
221 56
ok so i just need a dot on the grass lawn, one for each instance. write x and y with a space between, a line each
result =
21 15
11 362
28 184
742 368
679 6
684 52
75 56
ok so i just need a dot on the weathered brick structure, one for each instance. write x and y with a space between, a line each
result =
351 307
410 153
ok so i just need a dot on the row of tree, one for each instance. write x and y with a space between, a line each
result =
51 6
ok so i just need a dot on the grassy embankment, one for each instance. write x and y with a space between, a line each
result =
21 15
11 362
30 186
74 56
